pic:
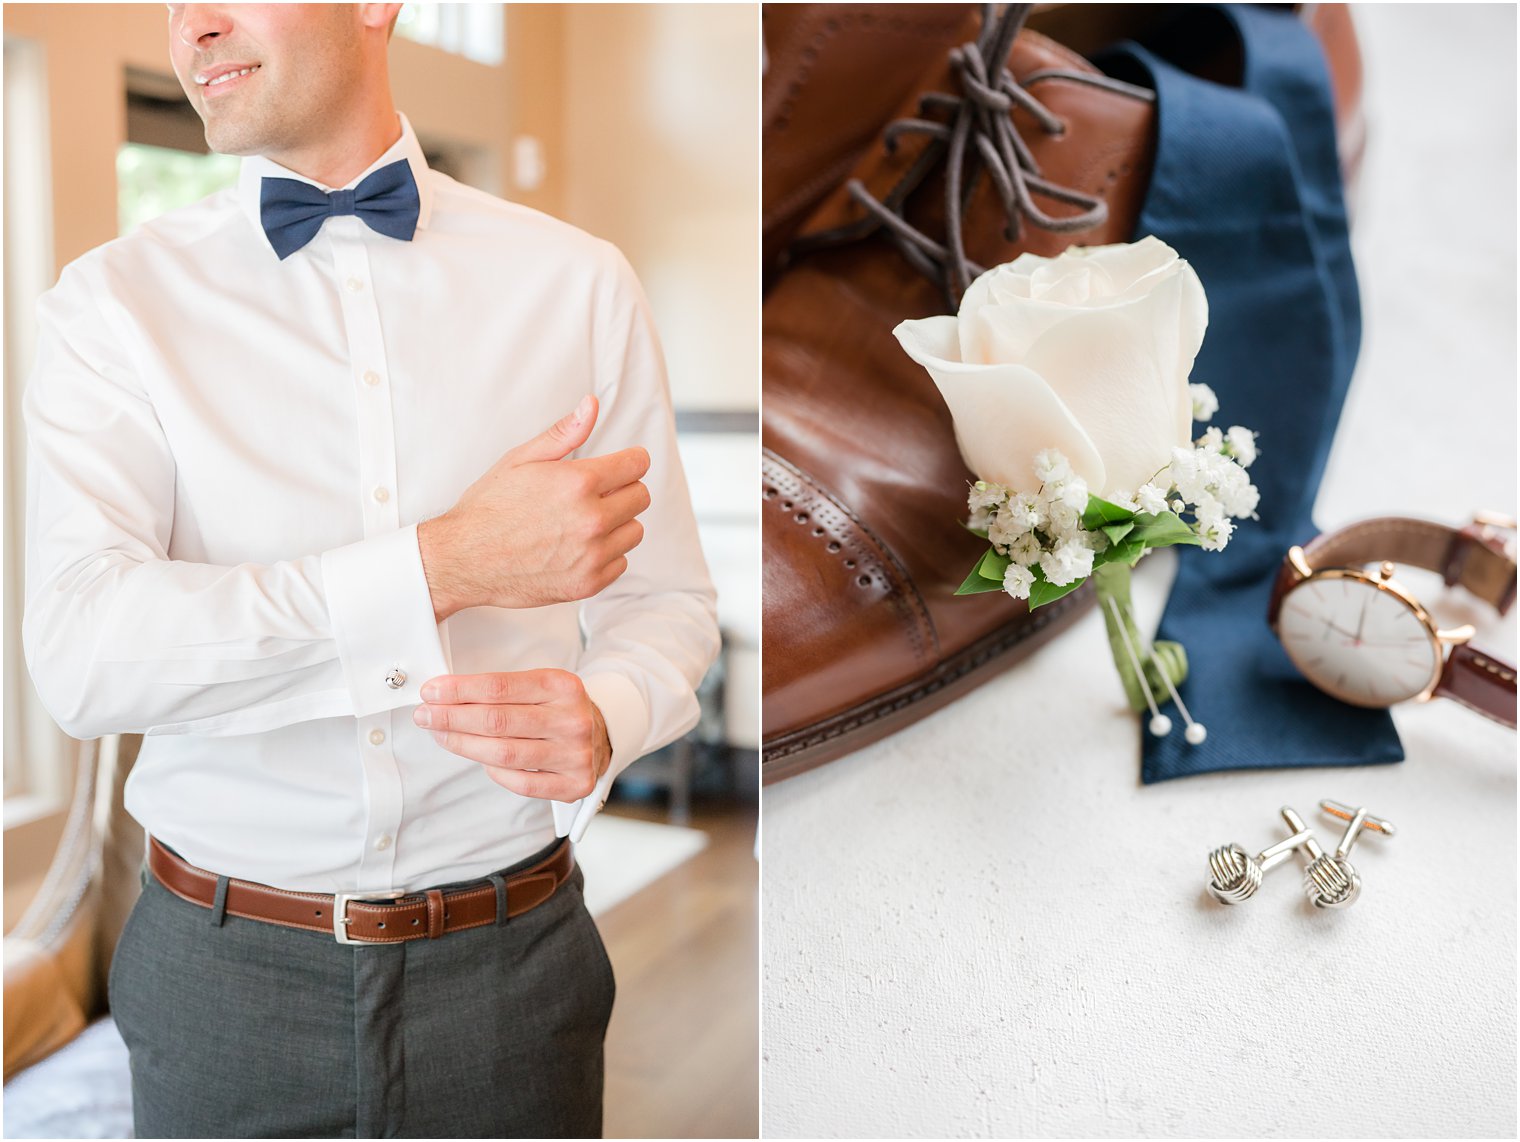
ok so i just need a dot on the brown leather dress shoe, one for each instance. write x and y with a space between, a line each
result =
864 488
834 73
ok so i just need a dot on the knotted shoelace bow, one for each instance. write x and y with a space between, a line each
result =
980 135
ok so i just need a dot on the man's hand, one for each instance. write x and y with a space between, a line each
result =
537 528
535 731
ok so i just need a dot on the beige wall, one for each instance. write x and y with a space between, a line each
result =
662 156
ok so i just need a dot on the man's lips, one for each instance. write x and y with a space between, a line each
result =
225 76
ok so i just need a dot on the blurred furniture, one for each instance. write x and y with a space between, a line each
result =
706 754
58 955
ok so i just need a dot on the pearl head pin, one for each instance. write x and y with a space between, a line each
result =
1160 725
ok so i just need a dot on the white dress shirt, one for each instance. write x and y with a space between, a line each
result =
228 458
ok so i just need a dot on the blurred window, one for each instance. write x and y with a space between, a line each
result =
151 180
37 769
475 31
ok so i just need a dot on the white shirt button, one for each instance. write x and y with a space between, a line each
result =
396 679
377 737
381 495
371 377
354 285
382 843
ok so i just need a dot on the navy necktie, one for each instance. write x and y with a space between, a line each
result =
1247 188
293 211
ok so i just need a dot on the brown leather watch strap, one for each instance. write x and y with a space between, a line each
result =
419 916
1480 682
1471 556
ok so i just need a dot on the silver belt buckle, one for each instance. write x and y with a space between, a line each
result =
341 920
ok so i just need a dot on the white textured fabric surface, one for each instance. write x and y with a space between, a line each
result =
985 926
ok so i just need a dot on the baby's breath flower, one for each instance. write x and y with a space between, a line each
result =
1205 403
1072 492
1017 580
1072 559
983 501
1212 439
1051 467
1240 499
1215 534
1241 444
1005 530
1025 549
1150 499
986 494
1187 475
1025 511
1061 519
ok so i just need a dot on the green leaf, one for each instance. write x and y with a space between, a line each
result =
993 566
1100 512
1045 592
976 585
987 575
1042 593
1162 530
1117 531
1128 552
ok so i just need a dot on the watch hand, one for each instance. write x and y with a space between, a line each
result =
1361 620
1330 625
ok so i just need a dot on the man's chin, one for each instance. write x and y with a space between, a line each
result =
238 146
229 138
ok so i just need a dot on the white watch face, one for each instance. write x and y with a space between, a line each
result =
1362 644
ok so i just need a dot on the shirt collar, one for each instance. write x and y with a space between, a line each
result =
255 168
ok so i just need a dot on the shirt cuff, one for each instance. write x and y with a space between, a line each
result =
382 617
627 718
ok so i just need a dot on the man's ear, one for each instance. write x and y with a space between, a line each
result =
380 16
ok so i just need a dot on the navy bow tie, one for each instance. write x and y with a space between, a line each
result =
293 211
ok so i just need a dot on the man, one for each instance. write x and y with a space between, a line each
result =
237 415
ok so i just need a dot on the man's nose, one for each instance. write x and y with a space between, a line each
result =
199 25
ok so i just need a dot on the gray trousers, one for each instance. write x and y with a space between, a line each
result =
242 1029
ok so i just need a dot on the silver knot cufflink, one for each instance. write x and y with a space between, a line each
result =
1235 876
1330 881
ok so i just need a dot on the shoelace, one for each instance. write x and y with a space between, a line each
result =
981 136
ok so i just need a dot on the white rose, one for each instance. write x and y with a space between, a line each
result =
1087 353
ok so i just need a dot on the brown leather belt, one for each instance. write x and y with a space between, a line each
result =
356 918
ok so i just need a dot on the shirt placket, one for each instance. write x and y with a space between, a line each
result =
369 375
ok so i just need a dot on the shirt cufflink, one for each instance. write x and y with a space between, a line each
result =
382 617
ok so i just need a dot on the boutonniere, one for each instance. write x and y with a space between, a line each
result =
1068 382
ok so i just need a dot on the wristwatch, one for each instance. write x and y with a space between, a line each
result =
1362 637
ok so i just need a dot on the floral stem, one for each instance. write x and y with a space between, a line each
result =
1111 581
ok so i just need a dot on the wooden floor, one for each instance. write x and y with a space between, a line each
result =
683 1052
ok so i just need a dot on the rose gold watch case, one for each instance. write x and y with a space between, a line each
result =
1382 580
